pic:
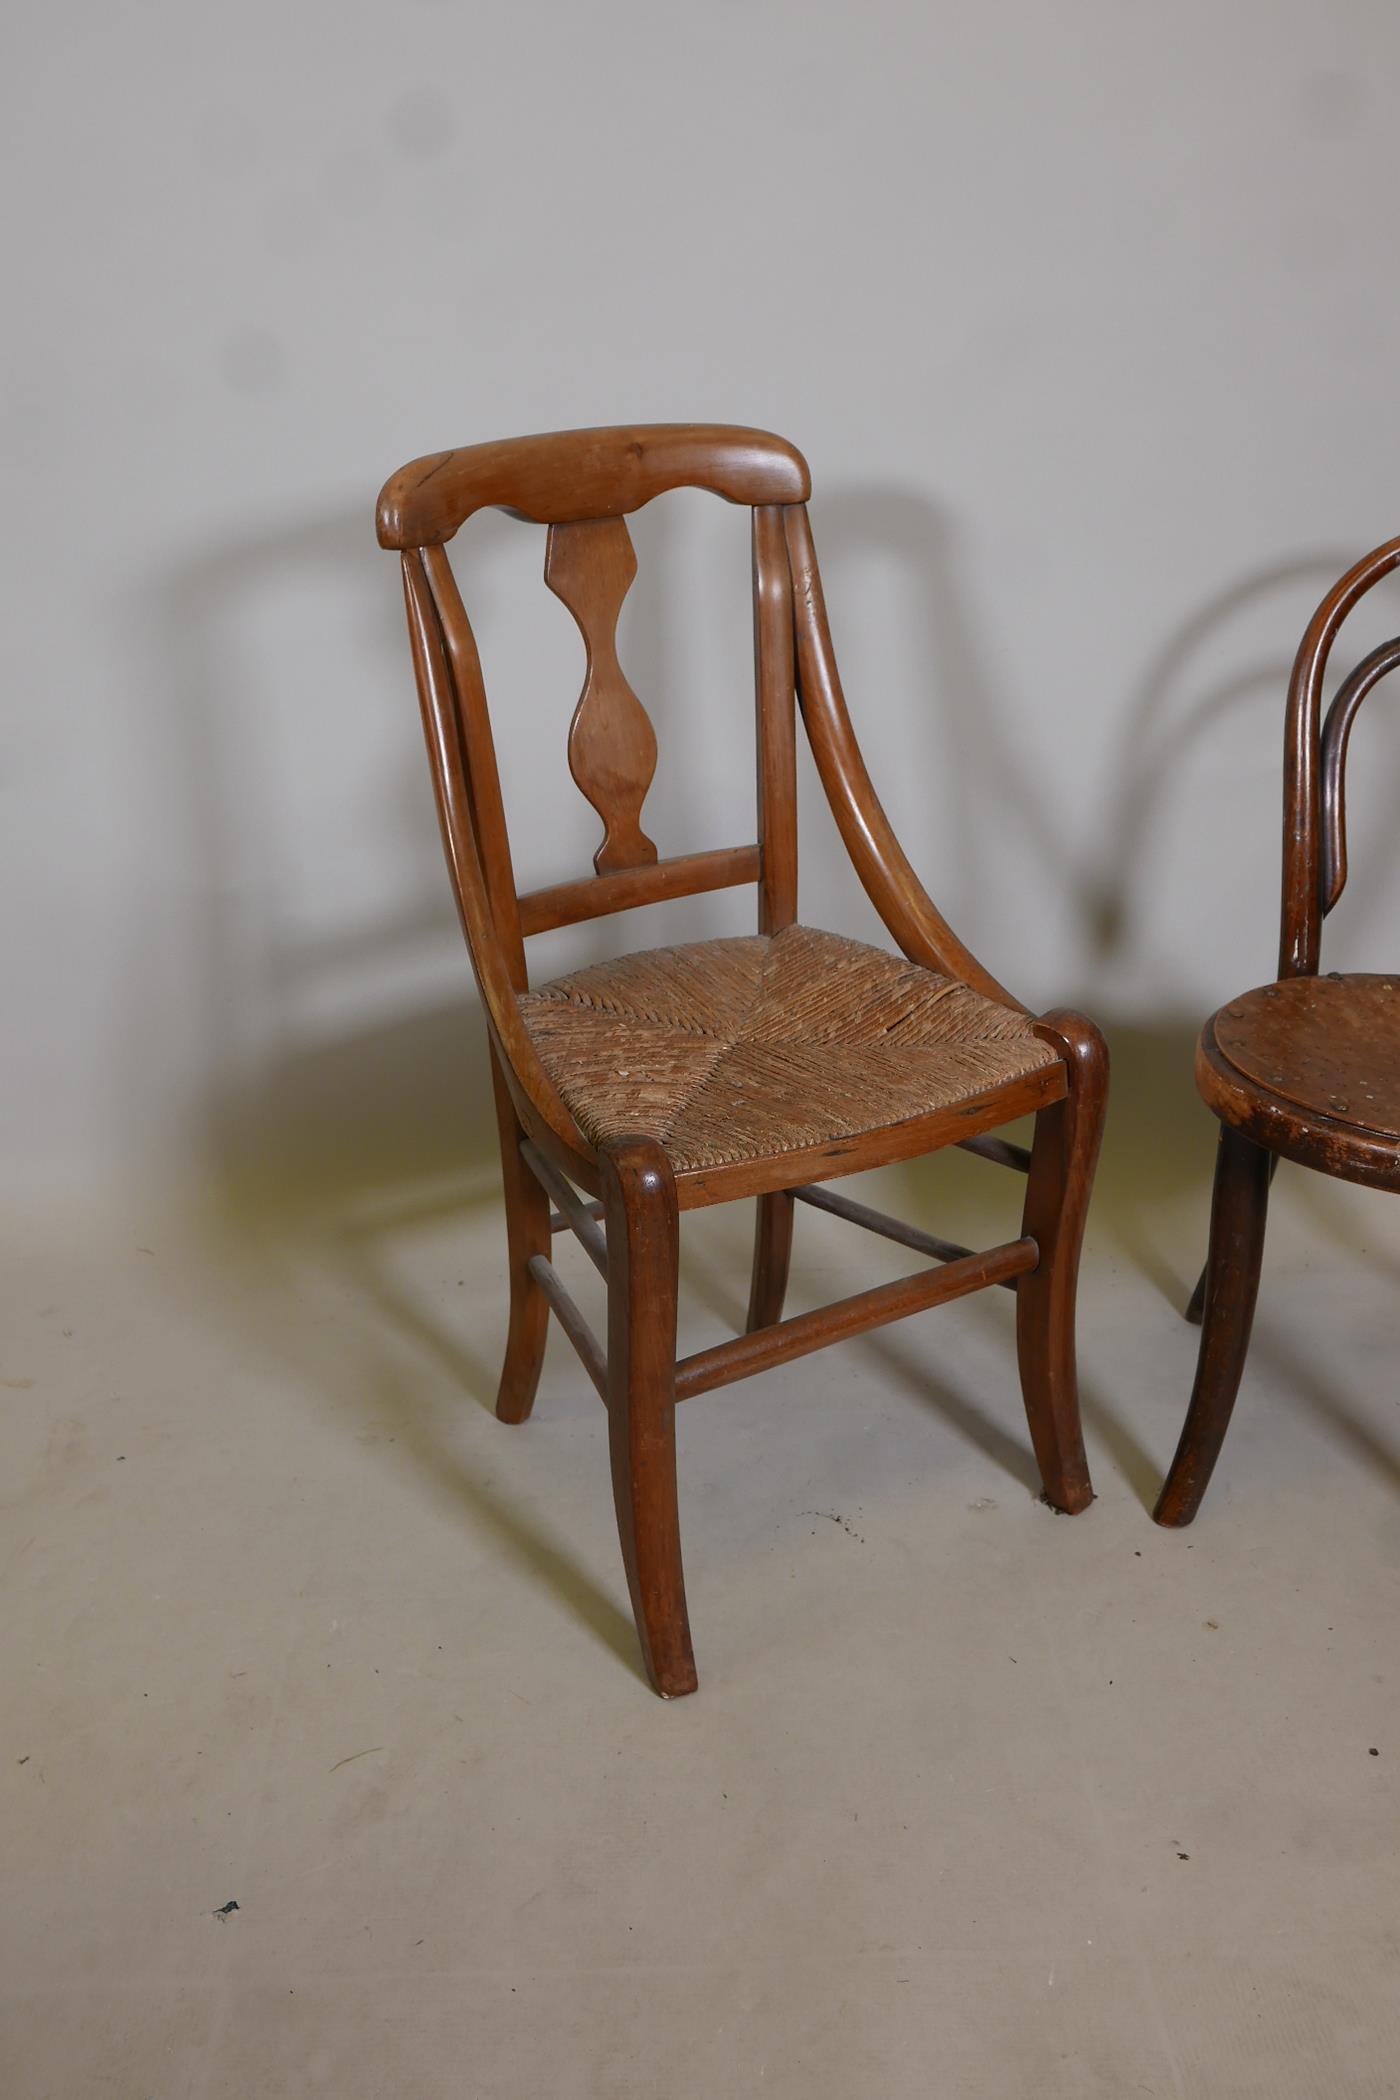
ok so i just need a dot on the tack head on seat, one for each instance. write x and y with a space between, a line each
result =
1329 1045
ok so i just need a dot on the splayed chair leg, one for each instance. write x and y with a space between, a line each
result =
527 1233
1195 1309
772 1253
639 1207
1238 1216
1063 1157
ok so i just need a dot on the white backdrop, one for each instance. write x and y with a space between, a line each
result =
1086 317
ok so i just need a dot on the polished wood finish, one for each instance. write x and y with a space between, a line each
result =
1336 736
598 896
582 485
772 1258
589 1350
461 704
775 698
639 1200
1306 1068
886 1227
1238 1214
1328 1050
1063 1159
612 745
559 1223
565 476
578 1216
837 1322
1303 851
999 1150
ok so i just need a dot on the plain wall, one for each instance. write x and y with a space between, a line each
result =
1086 317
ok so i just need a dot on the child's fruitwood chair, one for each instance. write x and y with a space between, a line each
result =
1306 1068
757 1066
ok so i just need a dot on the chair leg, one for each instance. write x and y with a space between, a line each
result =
527 1233
1238 1215
1063 1158
639 1208
772 1252
1195 1310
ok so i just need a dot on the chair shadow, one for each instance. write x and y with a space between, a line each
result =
335 1144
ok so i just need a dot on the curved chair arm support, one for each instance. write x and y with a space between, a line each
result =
1336 735
886 875
520 1060
1303 835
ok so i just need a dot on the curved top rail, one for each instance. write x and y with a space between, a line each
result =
1301 932
564 476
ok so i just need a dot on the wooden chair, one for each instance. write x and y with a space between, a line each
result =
1306 1068
757 1066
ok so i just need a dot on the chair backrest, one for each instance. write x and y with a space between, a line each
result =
1315 755
582 485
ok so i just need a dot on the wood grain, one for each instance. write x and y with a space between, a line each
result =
562 476
612 745
639 1202
838 1322
1064 1157
1238 1214
596 896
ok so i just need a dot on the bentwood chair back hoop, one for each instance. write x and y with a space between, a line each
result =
1306 1068
759 1066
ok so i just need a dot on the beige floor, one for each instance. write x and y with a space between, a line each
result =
975 1801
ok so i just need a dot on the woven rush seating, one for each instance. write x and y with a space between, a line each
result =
727 1050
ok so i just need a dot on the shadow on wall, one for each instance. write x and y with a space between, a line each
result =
298 1111
336 1130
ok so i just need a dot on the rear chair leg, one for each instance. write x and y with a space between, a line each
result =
772 1252
639 1209
1063 1158
527 1233
1238 1215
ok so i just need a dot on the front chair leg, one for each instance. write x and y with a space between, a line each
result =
1063 1158
1238 1215
772 1252
639 1208
1195 1310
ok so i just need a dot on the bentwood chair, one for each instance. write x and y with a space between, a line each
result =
1306 1068
758 1066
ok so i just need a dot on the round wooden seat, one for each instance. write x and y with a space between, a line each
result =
1310 1068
